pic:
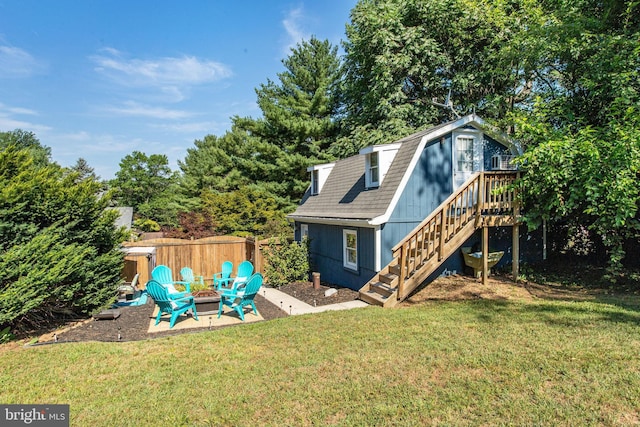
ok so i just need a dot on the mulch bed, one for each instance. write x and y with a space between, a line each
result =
133 322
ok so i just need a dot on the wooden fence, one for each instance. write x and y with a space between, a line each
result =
204 256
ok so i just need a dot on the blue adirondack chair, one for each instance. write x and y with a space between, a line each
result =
242 296
187 276
245 269
224 277
163 275
167 305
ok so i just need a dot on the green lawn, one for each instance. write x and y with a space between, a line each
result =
446 363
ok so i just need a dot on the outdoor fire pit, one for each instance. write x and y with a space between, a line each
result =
206 301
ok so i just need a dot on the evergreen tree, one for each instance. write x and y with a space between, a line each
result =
59 251
249 178
300 112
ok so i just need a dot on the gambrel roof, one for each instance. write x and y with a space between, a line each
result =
344 196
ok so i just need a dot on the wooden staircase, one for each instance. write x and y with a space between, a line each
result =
488 199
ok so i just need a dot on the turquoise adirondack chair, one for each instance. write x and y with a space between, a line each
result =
242 296
187 276
167 305
245 269
224 277
163 275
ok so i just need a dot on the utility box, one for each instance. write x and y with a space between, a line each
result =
139 260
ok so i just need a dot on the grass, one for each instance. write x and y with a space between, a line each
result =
446 363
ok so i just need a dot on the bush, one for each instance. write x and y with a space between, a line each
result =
146 225
286 261
59 253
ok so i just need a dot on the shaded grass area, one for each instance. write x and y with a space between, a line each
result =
441 363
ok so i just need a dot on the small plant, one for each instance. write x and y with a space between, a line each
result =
6 335
194 287
286 261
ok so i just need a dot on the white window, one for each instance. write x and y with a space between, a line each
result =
374 170
304 231
314 182
468 157
378 159
319 175
465 153
350 249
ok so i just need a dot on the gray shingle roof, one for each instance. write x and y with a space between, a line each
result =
344 195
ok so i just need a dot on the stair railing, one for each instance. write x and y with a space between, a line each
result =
485 193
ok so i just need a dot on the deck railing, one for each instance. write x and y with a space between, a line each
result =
486 193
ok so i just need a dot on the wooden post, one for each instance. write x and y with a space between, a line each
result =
485 254
443 230
480 199
515 262
401 260
257 255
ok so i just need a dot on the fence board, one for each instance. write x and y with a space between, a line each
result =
204 256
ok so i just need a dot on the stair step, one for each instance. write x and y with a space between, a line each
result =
388 278
382 288
375 298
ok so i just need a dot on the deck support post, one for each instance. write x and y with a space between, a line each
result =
485 254
515 261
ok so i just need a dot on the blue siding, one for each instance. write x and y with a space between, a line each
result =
430 184
491 148
326 254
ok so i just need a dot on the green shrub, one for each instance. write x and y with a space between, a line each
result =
6 335
146 225
286 261
59 254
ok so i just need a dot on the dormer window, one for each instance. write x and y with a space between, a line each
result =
378 159
315 182
319 175
374 170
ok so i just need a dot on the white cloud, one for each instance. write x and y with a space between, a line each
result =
171 75
16 110
9 122
189 128
292 24
132 108
17 63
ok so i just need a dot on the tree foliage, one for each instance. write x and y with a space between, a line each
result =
582 128
401 55
141 178
299 113
286 261
271 154
58 243
245 212
21 139
147 184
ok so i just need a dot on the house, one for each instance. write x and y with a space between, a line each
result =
359 209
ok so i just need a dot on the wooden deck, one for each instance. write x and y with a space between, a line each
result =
488 199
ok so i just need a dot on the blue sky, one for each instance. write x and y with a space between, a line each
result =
100 79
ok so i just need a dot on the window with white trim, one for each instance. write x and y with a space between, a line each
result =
315 184
350 249
319 175
464 147
373 169
304 231
378 159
